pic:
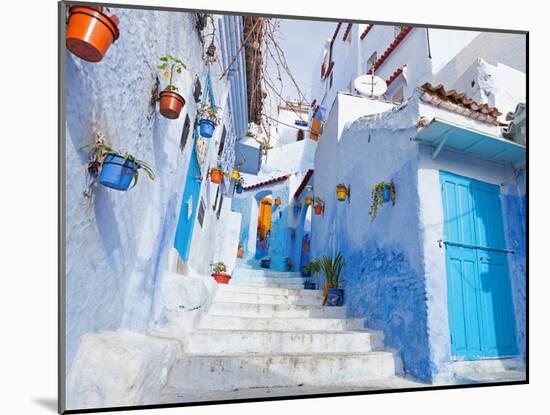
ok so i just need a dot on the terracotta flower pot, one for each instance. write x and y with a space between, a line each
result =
171 104
90 32
318 209
240 253
221 278
216 176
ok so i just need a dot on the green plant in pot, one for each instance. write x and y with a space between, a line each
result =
209 119
118 171
332 267
381 193
239 184
171 102
311 269
219 272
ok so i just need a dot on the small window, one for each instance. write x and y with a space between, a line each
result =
222 142
202 211
185 132
398 96
300 135
371 61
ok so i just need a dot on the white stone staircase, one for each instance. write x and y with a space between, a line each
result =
264 331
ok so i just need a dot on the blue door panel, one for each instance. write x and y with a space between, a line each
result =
481 313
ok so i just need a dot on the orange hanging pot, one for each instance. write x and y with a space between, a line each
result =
171 104
90 32
318 209
278 201
308 200
216 175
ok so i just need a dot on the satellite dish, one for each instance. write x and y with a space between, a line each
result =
370 85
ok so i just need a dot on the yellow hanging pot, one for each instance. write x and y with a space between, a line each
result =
235 175
308 200
341 192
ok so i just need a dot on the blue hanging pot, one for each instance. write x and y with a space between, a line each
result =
239 189
117 173
335 297
386 194
206 128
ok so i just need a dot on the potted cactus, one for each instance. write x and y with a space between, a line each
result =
219 273
209 119
119 171
171 102
332 268
90 32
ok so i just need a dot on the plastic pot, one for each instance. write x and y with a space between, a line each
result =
171 104
117 173
318 209
386 194
341 192
221 278
206 128
239 189
90 32
308 200
335 297
278 201
216 176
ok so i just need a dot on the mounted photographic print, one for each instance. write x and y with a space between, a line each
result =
277 206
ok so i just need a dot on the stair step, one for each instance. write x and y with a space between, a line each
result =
255 289
233 296
263 273
279 324
274 310
242 342
226 372
288 283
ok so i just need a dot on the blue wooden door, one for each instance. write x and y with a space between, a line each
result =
188 210
481 314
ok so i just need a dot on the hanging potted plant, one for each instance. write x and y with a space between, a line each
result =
381 193
308 200
171 102
235 174
90 32
240 251
239 185
318 206
119 171
277 201
341 192
216 175
332 268
219 273
209 119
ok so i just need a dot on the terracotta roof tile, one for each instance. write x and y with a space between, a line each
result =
267 182
458 102
367 30
304 183
347 32
394 75
398 39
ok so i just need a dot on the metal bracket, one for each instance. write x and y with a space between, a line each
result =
436 151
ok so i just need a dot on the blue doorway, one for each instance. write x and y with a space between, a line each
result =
481 311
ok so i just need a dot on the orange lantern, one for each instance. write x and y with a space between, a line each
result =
216 175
